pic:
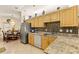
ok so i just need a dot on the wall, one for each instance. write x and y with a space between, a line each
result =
4 16
15 16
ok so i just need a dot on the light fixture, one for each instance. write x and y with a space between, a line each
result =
58 8
34 5
67 30
35 14
43 13
61 30
12 23
30 17
71 30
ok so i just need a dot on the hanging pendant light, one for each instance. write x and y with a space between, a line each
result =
34 5
43 13
35 14
58 8
30 17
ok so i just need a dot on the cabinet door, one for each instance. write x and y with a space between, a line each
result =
68 17
46 18
36 22
55 16
41 21
32 23
76 13
51 39
31 39
44 42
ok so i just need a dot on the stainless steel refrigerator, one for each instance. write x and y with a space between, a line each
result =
25 29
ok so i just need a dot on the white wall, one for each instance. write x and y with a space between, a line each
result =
4 15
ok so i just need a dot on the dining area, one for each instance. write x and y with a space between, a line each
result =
11 36
9 32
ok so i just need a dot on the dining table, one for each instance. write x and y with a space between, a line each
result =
11 35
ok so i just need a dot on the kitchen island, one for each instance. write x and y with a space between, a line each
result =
41 39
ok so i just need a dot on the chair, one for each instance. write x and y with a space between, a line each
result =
10 36
4 37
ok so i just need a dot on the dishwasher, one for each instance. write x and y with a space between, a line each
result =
37 40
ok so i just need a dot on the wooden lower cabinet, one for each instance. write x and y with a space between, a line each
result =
44 42
51 39
31 39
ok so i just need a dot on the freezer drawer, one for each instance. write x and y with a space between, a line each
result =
37 40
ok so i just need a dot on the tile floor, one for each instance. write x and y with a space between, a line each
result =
16 47
64 45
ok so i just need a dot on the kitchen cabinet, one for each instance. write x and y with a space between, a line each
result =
33 23
35 39
31 39
40 40
51 39
47 40
76 18
46 18
68 17
44 42
41 21
54 16
36 22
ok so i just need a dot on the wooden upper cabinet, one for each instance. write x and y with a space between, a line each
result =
33 23
64 18
36 20
54 16
76 18
68 17
46 18
41 21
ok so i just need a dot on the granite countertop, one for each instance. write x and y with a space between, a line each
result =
44 34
